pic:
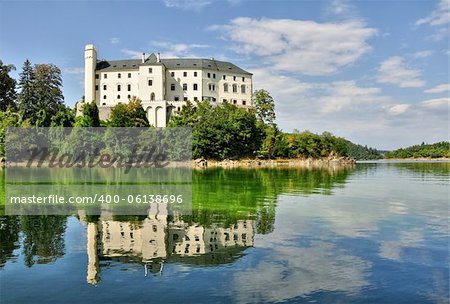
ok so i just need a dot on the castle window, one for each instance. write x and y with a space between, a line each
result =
129 75
97 76
172 87
96 87
150 70
234 101
184 86
195 99
234 88
195 74
118 96
178 109
176 98
185 98
152 96
243 79
129 87
104 96
104 104
118 87
224 100
119 75
225 87
243 89
209 75
244 102
184 74
150 82
234 78
224 77
105 76
195 87
104 87
129 96
214 75
172 74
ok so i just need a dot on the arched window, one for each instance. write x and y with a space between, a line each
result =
152 96
225 87
234 88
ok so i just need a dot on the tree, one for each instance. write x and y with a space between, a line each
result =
129 115
63 118
264 106
41 96
49 97
90 117
7 87
26 98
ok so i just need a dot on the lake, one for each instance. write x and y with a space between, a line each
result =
372 233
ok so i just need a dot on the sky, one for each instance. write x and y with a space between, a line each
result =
374 72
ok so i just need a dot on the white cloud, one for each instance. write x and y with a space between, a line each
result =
398 109
348 96
114 40
439 19
74 71
445 87
440 16
177 49
299 46
423 54
195 5
438 103
132 53
394 70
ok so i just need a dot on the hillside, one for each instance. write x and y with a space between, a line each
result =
436 150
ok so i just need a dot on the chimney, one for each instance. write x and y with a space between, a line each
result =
158 58
143 57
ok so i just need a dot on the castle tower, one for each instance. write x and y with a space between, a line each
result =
90 62
93 269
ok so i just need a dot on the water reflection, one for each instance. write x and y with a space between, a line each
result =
159 239
374 233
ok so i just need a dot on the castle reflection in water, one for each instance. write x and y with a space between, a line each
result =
161 238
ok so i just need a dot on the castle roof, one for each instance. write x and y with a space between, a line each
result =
171 64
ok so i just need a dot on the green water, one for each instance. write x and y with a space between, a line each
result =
376 232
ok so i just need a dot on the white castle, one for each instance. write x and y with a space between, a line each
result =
163 85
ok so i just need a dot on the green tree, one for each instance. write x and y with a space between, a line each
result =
7 87
90 117
128 115
264 106
26 97
41 96
65 117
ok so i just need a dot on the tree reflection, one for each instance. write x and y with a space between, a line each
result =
43 238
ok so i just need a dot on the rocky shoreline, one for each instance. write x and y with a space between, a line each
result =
275 163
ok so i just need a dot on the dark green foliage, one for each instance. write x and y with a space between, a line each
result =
41 96
220 132
128 115
307 144
436 150
359 152
7 87
65 117
90 117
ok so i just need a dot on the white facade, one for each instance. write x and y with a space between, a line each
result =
163 85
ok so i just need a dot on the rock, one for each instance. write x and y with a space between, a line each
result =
201 162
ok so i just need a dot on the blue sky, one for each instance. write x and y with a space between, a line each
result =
375 72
